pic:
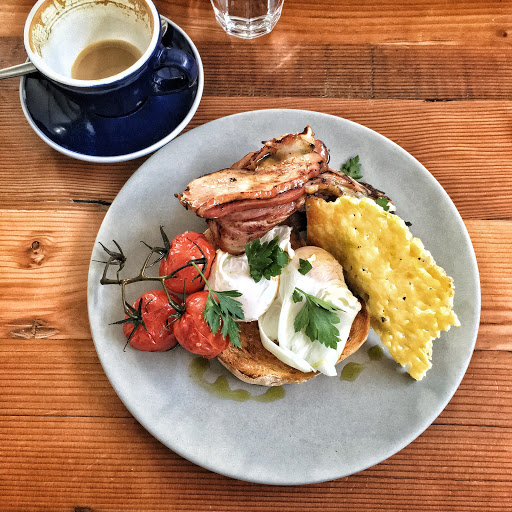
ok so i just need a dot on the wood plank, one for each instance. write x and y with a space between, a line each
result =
51 377
46 461
493 248
484 397
345 22
37 174
456 141
359 71
52 457
67 443
365 71
347 62
44 269
12 52
38 296
64 378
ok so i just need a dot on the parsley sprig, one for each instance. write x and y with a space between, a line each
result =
222 311
265 259
352 168
317 319
304 266
383 202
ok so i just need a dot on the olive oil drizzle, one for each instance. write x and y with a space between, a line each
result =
220 388
375 353
351 371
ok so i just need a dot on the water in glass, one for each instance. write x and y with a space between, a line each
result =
247 18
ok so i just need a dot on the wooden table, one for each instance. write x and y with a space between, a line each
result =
434 76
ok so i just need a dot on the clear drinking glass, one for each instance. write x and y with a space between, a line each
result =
247 18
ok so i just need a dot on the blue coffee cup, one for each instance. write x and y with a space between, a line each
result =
57 35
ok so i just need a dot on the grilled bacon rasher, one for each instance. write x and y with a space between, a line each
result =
266 187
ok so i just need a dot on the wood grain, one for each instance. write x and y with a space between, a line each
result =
467 450
434 77
115 483
343 21
53 377
360 71
357 71
45 269
36 289
493 243
413 50
456 141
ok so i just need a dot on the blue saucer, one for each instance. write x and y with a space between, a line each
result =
72 130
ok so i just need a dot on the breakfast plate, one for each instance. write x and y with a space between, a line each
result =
69 128
320 430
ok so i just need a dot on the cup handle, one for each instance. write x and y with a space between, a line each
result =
175 71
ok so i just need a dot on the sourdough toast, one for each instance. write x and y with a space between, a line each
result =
254 364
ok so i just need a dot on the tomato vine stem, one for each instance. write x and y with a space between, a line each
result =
117 258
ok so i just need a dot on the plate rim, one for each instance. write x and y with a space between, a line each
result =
475 279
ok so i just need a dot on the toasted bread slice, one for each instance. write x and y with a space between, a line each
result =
254 364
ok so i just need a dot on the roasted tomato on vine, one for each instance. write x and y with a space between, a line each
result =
193 332
184 248
210 322
149 325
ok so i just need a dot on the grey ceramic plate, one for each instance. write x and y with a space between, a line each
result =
325 428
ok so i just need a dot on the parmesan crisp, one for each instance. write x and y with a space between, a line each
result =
409 297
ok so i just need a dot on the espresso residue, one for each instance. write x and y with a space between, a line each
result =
104 58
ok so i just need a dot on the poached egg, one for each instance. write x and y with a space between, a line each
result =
231 272
324 281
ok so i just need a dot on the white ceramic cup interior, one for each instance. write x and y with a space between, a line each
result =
57 31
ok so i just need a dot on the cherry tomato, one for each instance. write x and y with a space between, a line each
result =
186 247
192 331
159 332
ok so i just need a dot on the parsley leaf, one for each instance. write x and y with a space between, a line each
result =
265 259
352 168
304 266
222 311
296 297
384 202
317 319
